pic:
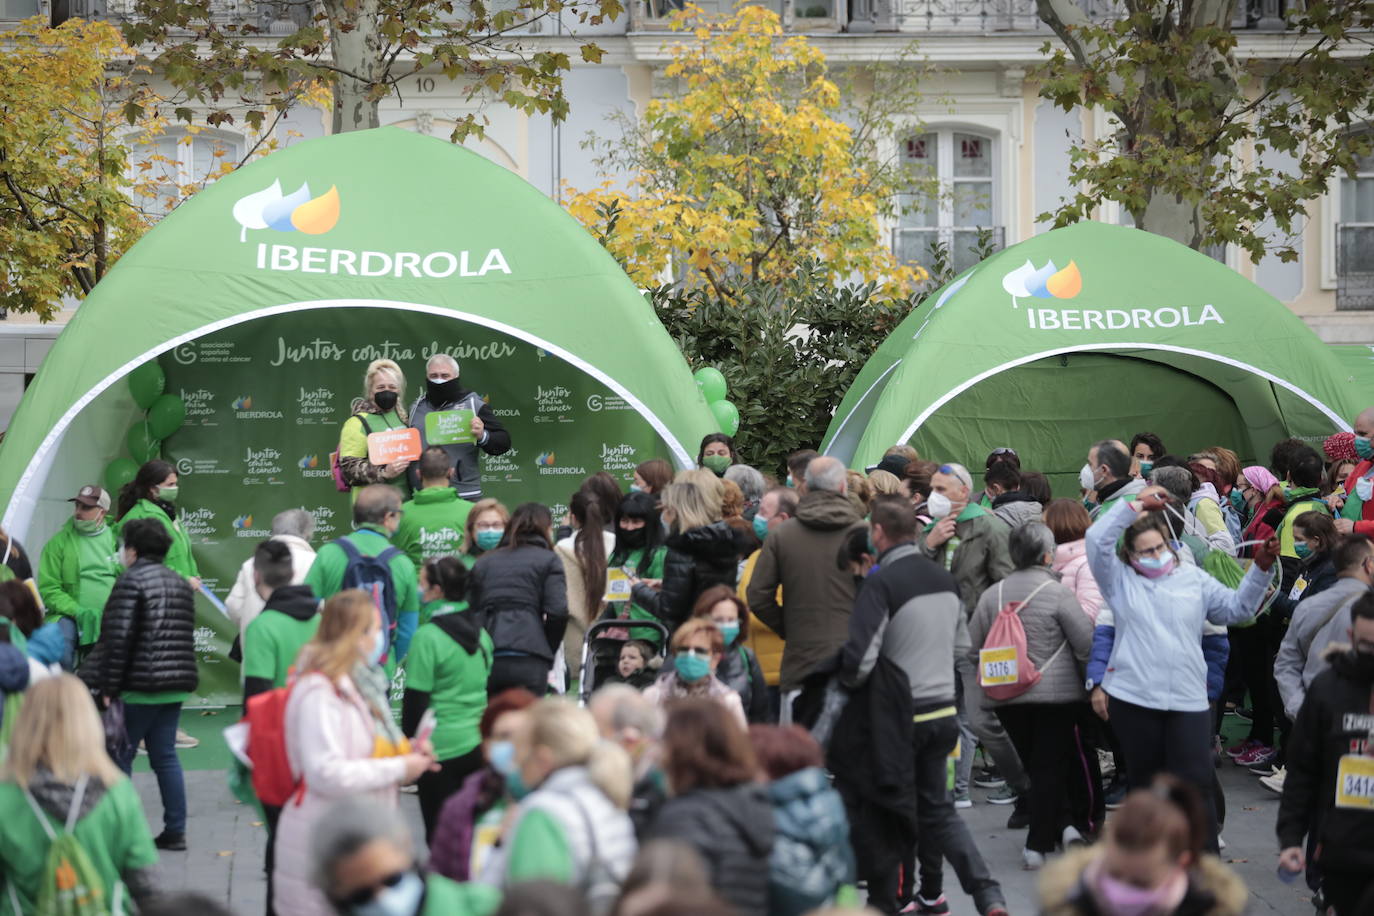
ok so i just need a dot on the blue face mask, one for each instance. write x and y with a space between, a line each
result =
501 756
691 667
760 527
403 899
1146 467
1303 550
515 785
729 632
1364 448
1237 501
488 540
636 488
374 655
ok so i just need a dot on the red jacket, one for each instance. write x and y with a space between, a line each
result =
1366 525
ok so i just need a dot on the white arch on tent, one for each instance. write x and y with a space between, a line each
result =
19 513
1341 424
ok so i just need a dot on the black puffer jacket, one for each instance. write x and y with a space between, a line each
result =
147 635
520 596
697 559
732 830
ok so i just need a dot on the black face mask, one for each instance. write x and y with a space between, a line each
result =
386 399
440 393
632 540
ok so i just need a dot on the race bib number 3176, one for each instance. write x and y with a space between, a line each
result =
997 666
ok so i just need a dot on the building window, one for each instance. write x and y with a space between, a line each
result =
1355 238
964 164
170 167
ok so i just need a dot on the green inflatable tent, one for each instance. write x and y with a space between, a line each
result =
1088 332
257 305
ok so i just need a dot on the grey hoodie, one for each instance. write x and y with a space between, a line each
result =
1317 623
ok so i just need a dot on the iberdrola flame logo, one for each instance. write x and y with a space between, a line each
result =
1048 282
294 212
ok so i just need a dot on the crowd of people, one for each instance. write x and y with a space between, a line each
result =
717 693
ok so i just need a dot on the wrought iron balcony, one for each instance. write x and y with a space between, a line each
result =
1354 266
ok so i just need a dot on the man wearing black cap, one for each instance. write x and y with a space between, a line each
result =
444 393
78 568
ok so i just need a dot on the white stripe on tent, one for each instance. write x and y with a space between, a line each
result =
858 404
19 513
1187 351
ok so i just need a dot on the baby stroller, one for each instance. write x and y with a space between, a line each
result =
601 650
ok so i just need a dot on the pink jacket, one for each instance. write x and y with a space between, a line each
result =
329 740
1071 562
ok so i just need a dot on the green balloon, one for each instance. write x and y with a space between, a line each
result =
711 383
166 415
119 472
146 383
727 415
143 445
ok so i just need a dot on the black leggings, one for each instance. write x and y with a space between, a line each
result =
435 788
1060 769
1178 743
1255 648
528 671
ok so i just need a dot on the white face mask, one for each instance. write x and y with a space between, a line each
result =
1086 479
938 505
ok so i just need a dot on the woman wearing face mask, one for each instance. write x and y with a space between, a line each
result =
153 494
1151 864
1145 448
1357 509
381 408
701 552
717 453
341 740
470 822
573 789
446 670
739 668
520 595
1262 494
485 527
698 647
652 476
639 550
1164 723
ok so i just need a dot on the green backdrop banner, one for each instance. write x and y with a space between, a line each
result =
265 400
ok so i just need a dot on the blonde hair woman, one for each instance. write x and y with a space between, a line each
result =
884 482
573 790
57 775
702 550
379 409
341 739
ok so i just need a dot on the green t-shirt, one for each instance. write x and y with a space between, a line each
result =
456 683
99 570
271 643
353 441
654 570
444 897
432 524
157 698
114 833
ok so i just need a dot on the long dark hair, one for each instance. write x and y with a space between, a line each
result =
18 604
529 527
450 575
150 475
589 546
711 438
642 506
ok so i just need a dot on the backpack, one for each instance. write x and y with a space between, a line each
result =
1005 669
265 713
69 885
373 575
336 469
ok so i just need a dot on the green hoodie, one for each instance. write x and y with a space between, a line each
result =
432 524
75 575
179 557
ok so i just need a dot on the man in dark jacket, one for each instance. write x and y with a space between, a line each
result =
801 555
146 657
908 612
443 392
1331 774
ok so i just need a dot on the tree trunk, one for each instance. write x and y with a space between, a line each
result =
1172 217
359 55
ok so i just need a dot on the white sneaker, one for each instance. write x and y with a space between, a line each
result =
1032 860
963 801
1071 838
186 742
1274 781
1221 843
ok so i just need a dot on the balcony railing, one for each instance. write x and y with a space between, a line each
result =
960 245
1354 267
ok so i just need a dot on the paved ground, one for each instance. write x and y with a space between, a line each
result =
225 855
